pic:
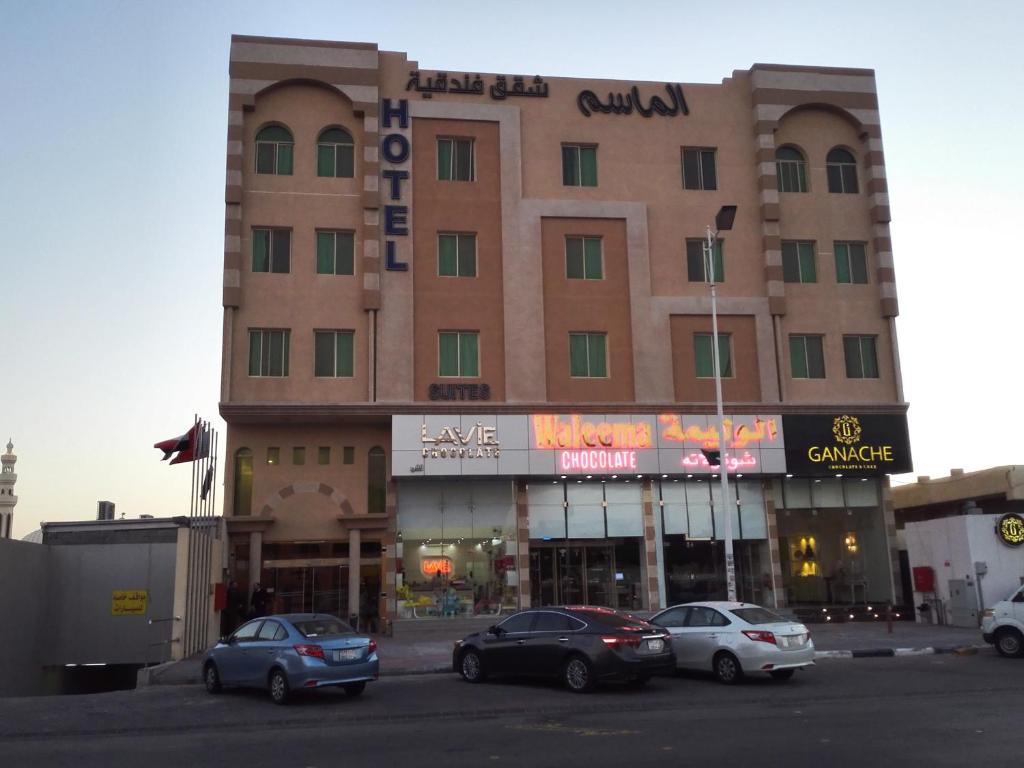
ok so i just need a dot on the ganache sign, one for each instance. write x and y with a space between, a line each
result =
847 444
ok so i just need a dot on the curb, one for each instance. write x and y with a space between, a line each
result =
875 653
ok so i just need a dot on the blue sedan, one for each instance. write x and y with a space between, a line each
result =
291 652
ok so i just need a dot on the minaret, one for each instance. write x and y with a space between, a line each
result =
7 497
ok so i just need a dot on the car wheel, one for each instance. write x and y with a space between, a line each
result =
781 674
211 678
727 668
578 674
354 689
278 687
1009 642
471 667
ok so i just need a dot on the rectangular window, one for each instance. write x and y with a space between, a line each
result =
323 454
455 160
335 253
332 354
583 258
699 168
268 352
458 353
696 263
298 456
798 262
851 263
588 355
348 455
703 353
579 165
271 250
806 357
273 455
861 357
456 255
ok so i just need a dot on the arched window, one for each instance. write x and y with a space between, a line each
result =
376 482
791 169
842 171
243 482
335 154
274 148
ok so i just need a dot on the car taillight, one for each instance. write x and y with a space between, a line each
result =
760 636
613 641
372 647
315 651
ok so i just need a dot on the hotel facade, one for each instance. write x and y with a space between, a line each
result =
467 342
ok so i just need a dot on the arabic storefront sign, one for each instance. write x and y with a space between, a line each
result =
499 90
1010 529
128 602
394 149
630 101
849 444
550 444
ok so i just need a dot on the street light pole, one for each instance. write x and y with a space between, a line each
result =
723 221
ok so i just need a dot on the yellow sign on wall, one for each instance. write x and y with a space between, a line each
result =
129 602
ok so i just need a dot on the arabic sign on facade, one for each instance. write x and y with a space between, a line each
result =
569 444
499 90
847 444
128 602
631 101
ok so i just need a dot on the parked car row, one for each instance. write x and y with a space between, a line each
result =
580 645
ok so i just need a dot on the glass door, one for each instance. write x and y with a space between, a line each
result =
600 574
570 575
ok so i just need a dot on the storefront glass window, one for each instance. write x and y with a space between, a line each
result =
243 482
376 478
585 516
625 510
456 548
547 511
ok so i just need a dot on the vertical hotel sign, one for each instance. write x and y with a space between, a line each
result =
395 149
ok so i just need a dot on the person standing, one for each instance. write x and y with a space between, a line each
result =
260 600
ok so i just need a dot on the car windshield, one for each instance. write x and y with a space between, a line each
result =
757 615
611 619
323 627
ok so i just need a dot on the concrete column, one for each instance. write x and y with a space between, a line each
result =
255 558
522 543
775 561
650 573
355 540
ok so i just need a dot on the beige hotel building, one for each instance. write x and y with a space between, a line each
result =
467 358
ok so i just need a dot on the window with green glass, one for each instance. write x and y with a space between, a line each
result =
588 355
333 353
243 482
851 263
348 455
272 250
841 167
861 357
335 154
699 168
455 160
696 261
703 353
798 262
579 165
335 253
806 357
274 148
323 454
458 353
791 170
583 259
273 455
268 352
456 255
298 455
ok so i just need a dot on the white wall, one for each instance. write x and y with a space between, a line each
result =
1005 564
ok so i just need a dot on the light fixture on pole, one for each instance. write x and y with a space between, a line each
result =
723 222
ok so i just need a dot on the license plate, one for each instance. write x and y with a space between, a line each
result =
347 654
791 641
655 646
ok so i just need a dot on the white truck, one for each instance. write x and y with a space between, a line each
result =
1003 624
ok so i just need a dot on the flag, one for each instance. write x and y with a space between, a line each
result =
194 444
207 482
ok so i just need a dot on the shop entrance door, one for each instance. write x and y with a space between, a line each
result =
573 574
309 589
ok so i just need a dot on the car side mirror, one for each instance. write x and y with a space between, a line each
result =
224 640
495 630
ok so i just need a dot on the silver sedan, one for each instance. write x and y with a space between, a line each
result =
731 639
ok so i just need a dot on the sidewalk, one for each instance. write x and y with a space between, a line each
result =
425 646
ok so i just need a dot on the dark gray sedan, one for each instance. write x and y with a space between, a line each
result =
291 652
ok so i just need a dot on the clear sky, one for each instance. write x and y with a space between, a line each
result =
113 117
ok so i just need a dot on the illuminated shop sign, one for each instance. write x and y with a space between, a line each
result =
499 90
856 444
394 149
431 566
744 436
592 446
1010 529
451 442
